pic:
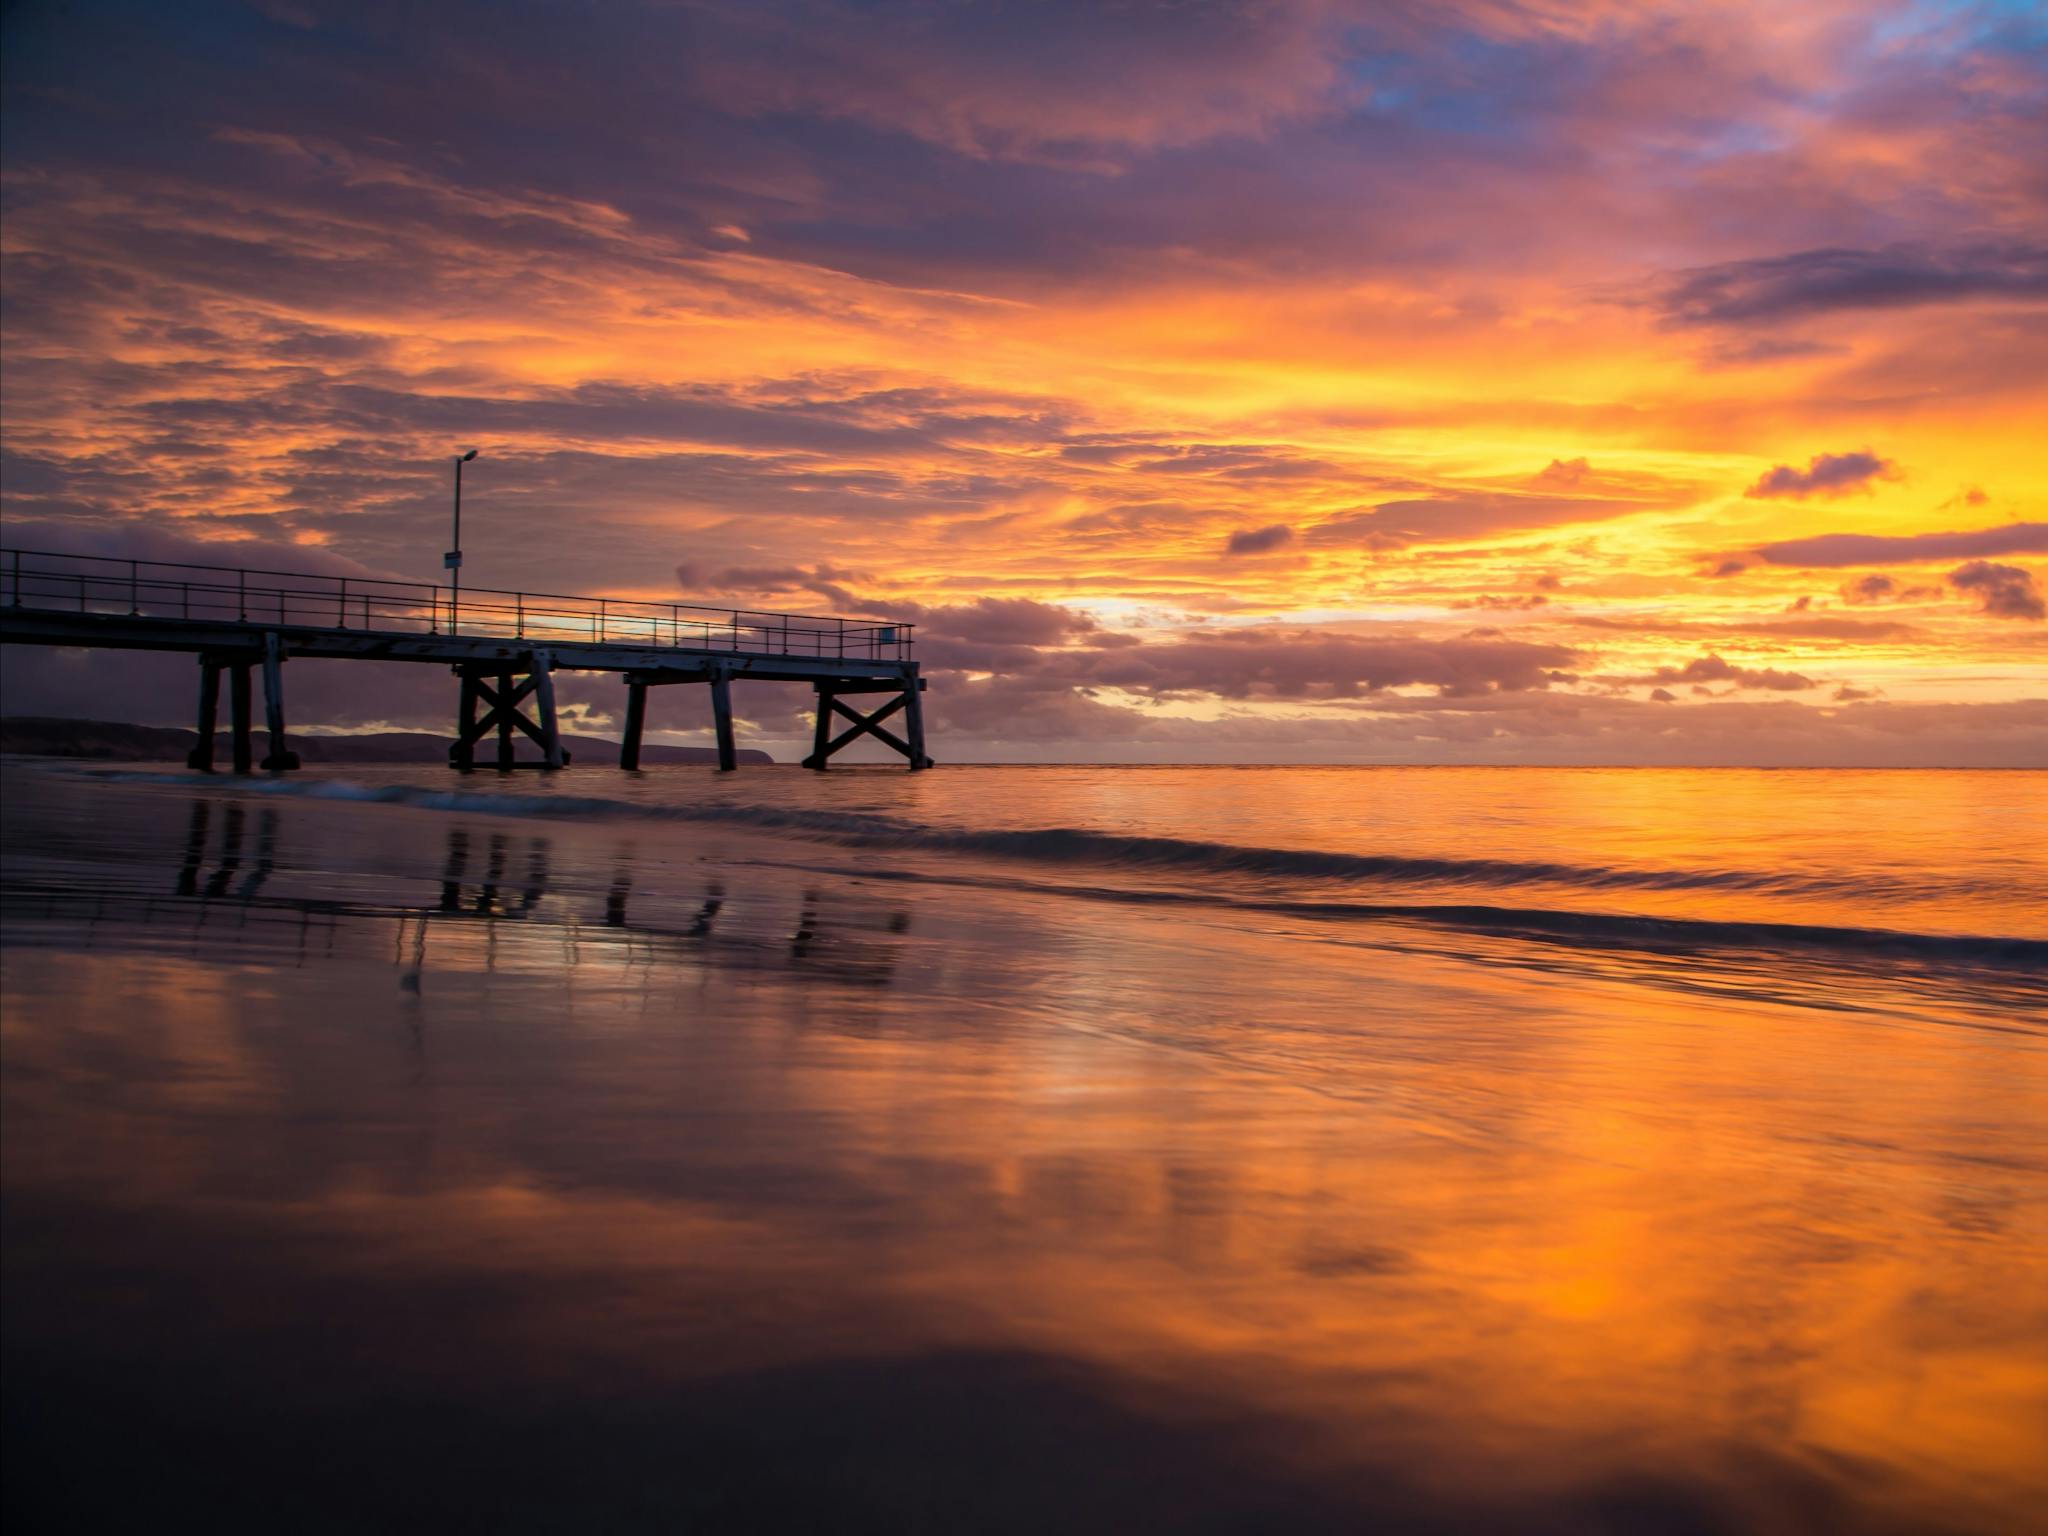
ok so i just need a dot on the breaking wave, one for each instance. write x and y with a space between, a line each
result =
1109 852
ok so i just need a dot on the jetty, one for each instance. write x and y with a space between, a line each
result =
504 649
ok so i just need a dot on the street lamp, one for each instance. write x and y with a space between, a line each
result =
452 561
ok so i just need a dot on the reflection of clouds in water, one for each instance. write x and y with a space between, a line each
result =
1175 1238
1371 1204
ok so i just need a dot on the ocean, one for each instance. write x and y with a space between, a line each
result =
1013 1148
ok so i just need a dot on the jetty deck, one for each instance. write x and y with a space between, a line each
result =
504 647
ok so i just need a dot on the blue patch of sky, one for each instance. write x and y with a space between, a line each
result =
1734 139
1471 87
1957 26
1488 90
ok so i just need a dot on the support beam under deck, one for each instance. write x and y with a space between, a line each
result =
504 690
824 744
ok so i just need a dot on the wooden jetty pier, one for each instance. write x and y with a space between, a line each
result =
504 647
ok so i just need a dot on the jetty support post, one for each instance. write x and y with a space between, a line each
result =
506 698
913 720
544 698
280 758
462 750
831 702
502 689
200 758
821 733
636 723
721 719
238 716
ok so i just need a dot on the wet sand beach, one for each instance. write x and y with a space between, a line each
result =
994 1153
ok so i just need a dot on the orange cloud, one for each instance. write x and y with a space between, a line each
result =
1071 313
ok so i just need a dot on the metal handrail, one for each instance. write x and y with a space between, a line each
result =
215 593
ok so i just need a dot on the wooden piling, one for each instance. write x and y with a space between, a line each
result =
238 717
636 722
721 719
544 698
913 722
505 712
200 757
462 751
504 688
821 735
279 758
830 703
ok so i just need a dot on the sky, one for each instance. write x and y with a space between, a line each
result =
1492 381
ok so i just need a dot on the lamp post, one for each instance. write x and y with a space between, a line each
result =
452 561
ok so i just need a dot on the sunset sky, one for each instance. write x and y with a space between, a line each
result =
1472 381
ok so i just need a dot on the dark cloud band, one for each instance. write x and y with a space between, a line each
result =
1827 550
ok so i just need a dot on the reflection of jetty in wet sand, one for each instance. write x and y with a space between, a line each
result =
488 878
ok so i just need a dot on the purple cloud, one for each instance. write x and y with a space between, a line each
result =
1826 474
1712 668
1880 588
2003 591
1814 282
1522 604
1425 520
1245 664
999 621
1834 549
1258 541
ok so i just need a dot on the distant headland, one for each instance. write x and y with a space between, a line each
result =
111 741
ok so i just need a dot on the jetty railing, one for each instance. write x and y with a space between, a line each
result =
170 589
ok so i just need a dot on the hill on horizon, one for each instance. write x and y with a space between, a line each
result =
116 741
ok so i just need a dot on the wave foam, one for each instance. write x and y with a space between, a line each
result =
1119 851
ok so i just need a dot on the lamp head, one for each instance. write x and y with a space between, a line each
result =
468 456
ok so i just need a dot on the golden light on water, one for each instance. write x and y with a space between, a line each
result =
1573 1235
